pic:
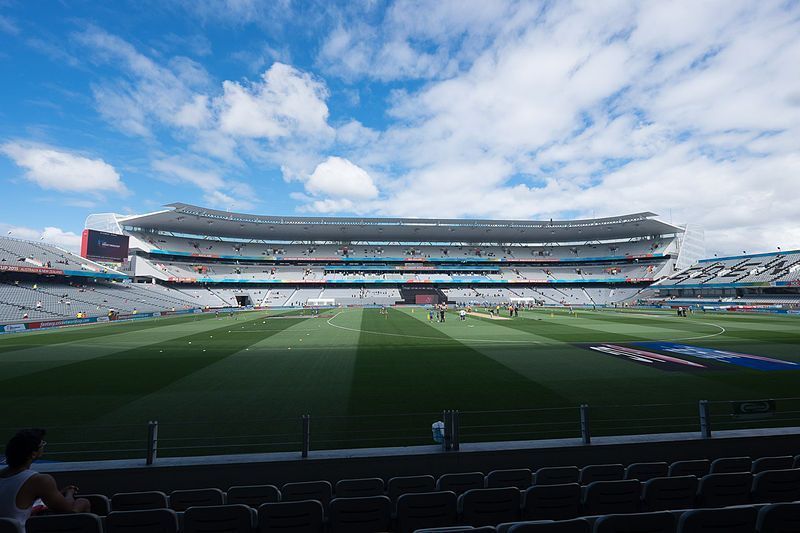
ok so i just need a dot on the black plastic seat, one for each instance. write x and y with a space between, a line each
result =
664 493
253 495
592 473
611 497
660 522
697 468
551 502
731 465
305 516
645 471
556 475
485 507
426 510
730 520
461 483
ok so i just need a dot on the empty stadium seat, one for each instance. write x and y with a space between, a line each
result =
783 462
565 526
147 521
65 523
219 519
556 475
516 477
139 501
551 502
664 493
426 510
697 468
592 473
304 516
645 471
99 504
409 484
779 518
7 525
636 523
322 491
460 483
730 520
609 497
775 486
359 488
483 507
729 465
180 500
360 515
253 495
721 490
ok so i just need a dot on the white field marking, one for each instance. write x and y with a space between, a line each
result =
427 337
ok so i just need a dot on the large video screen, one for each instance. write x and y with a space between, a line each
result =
104 246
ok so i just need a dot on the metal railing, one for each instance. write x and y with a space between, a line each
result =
581 424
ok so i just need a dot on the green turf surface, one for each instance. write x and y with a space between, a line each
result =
240 384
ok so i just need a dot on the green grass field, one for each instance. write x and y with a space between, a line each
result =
240 385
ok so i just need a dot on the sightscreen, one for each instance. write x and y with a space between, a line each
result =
104 246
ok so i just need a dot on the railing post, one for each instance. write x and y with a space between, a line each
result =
705 419
152 442
456 415
586 433
306 420
447 441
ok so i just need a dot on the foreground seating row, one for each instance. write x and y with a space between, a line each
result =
305 517
476 507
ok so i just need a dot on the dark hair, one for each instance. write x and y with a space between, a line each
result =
22 445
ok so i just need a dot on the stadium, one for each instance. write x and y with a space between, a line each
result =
400 374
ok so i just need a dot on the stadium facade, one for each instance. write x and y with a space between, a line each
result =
229 259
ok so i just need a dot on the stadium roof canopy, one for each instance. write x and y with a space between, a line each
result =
194 220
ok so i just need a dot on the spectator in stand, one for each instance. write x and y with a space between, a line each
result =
21 487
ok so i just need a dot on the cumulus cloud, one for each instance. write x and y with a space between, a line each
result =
285 102
67 240
603 109
56 169
339 178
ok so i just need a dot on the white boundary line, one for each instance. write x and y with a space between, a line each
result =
720 332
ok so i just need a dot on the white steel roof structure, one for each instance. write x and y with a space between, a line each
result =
200 221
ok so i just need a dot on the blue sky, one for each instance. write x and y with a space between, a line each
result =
411 108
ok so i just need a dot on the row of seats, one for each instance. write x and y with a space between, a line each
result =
477 507
459 483
349 517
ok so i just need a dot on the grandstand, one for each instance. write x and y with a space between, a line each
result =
755 280
289 261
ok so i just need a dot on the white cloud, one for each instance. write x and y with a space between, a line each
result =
285 103
340 179
149 93
603 109
8 26
51 168
217 191
67 240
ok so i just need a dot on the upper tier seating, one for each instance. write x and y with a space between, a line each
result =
780 266
213 246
